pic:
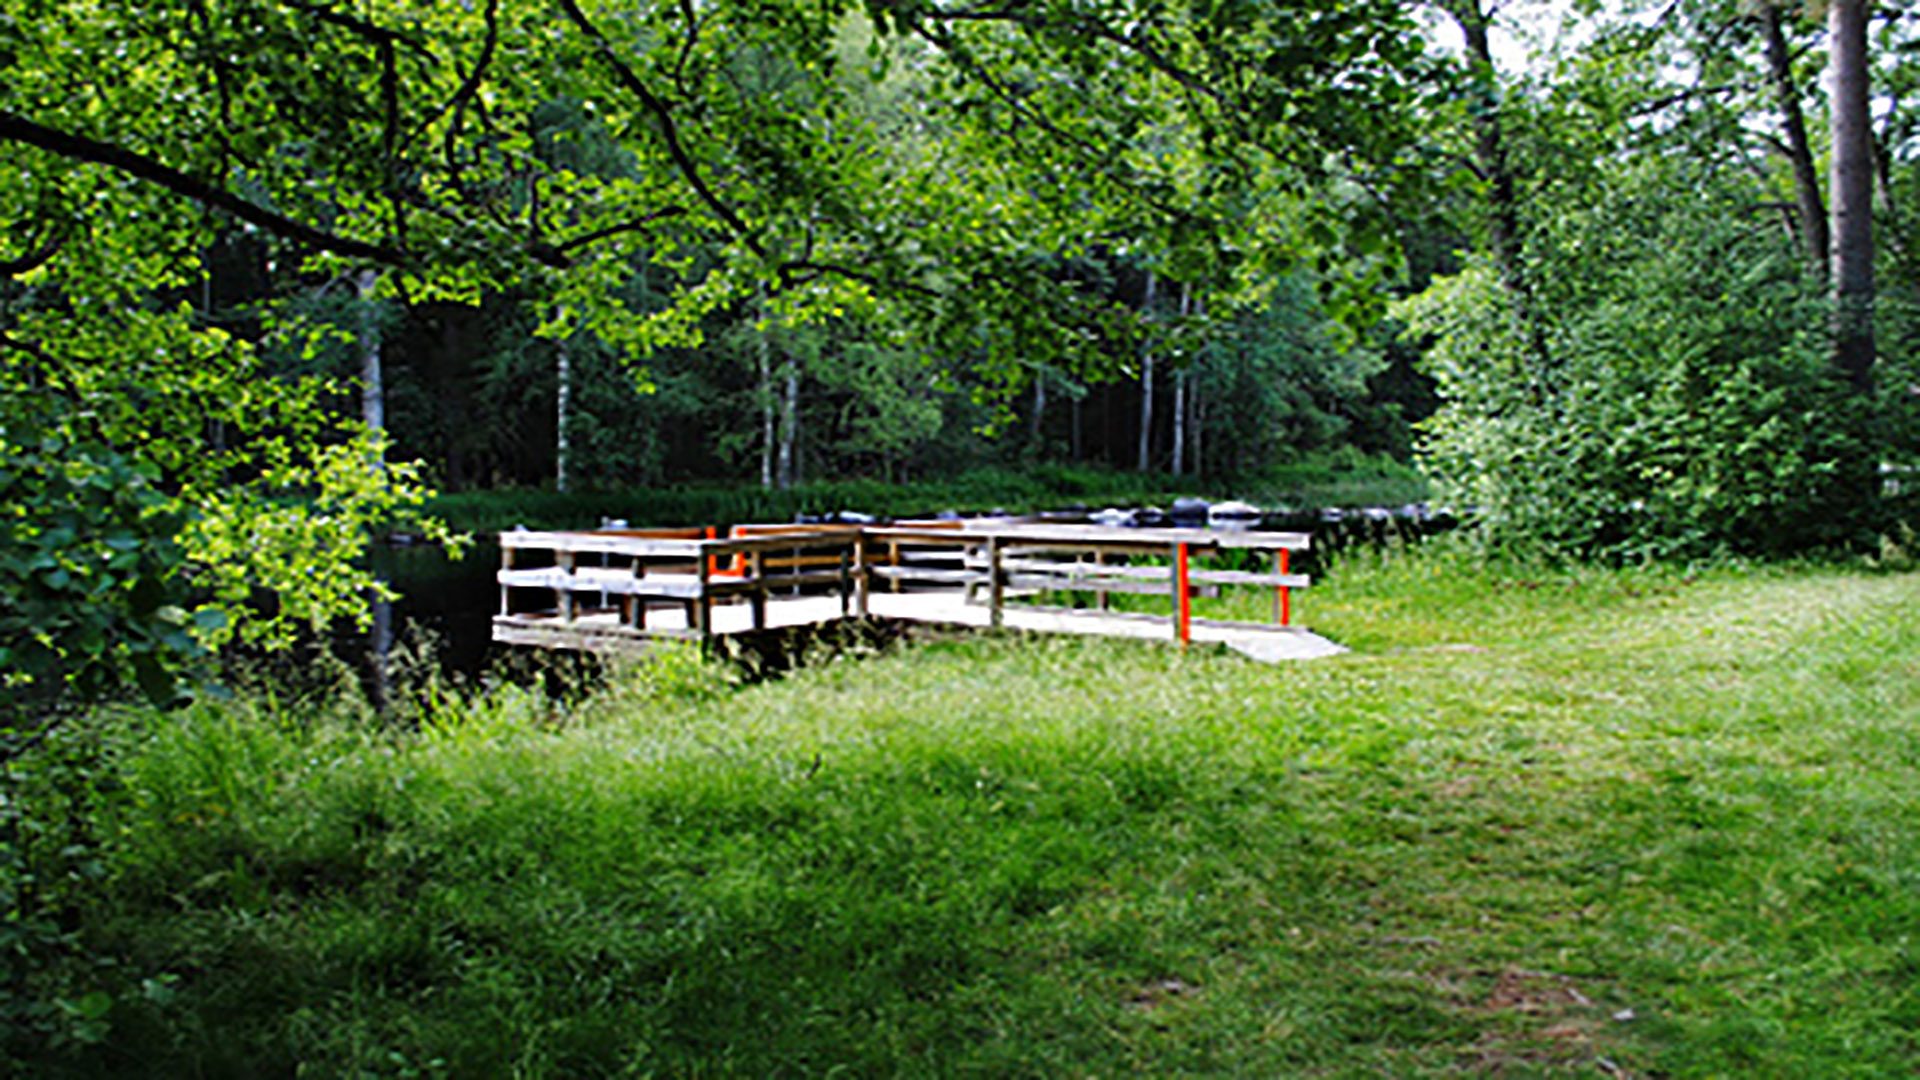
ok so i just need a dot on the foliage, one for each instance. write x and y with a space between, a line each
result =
1653 378
1030 855
1275 383
90 580
1682 420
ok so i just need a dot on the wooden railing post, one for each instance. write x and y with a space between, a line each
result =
846 582
506 563
758 597
996 584
703 602
1182 597
862 580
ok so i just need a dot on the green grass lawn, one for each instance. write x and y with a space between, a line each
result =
1590 823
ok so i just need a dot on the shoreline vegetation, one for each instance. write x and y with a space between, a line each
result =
1335 479
1639 822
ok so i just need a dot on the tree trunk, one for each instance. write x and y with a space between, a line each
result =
1502 187
1180 390
373 390
788 474
1146 381
1899 243
1852 184
562 417
1073 436
1811 214
1034 429
1199 426
768 434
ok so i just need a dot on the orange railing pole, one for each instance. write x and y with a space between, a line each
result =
1286 594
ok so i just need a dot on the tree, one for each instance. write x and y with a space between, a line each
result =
1852 183
1695 406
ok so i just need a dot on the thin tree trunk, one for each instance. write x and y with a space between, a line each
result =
563 417
787 475
1074 433
1180 390
1852 184
1898 242
373 391
1812 215
767 422
380 653
1199 425
373 413
1034 429
1146 382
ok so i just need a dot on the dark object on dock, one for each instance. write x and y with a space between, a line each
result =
1151 517
1188 510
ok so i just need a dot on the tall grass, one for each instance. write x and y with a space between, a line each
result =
1644 823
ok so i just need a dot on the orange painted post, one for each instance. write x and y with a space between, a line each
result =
1283 596
713 561
1183 593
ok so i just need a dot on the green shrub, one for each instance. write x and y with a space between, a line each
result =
1687 409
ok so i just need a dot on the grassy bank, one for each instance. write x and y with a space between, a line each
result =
1597 822
1342 479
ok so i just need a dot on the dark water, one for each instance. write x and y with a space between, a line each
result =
446 606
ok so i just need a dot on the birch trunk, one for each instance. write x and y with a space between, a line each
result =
1180 390
373 390
563 418
1146 383
768 434
788 473
1852 186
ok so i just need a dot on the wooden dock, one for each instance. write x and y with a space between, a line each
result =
624 588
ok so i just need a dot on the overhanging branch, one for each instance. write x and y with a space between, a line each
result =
18 129
669 130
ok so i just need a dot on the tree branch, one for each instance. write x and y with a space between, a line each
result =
362 28
686 46
669 131
1136 43
469 85
635 225
1677 97
18 129
32 260
800 272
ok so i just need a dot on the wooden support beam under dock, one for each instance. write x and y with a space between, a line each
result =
621 589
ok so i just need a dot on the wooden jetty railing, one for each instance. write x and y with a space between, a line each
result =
609 588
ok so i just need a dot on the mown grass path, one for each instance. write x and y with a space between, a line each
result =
1595 823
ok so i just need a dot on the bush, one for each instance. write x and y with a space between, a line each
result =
1688 408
